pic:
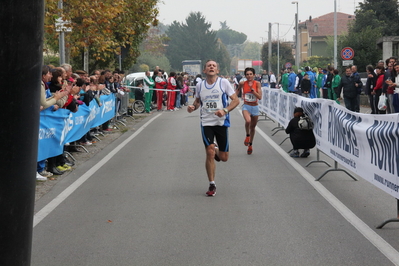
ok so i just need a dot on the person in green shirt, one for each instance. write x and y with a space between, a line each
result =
284 81
335 83
148 86
320 82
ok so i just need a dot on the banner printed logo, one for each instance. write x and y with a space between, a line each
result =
107 107
341 130
283 105
383 141
274 101
46 133
265 99
68 125
313 110
92 115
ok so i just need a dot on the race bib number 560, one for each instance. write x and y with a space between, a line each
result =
211 106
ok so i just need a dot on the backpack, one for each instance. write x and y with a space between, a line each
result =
305 123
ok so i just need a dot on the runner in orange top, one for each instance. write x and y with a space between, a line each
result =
251 93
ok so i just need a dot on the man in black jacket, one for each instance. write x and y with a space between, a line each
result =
328 83
349 85
370 84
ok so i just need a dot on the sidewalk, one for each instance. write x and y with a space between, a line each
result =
81 156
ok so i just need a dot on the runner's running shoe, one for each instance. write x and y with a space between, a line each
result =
249 151
246 141
212 190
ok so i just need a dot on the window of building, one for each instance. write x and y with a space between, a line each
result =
316 28
395 49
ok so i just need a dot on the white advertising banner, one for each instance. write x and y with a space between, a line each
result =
365 144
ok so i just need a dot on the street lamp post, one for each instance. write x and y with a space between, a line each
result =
297 52
335 34
269 65
61 38
278 46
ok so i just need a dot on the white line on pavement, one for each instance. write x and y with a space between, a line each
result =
46 210
385 248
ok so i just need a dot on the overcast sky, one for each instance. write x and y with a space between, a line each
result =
252 17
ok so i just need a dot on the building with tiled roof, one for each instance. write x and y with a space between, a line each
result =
313 33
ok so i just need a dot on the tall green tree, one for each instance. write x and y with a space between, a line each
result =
318 61
251 50
364 44
192 40
102 27
223 25
231 37
150 60
377 13
285 56
374 19
223 58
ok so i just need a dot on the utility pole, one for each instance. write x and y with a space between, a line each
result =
61 38
297 44
269 57
21 56
335 35
278 46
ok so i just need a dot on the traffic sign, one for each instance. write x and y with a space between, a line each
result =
288 65
347 53
347 62
60 25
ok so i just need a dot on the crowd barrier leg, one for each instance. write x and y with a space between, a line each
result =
99 133
266 117
318 160
116 116
70 155
336 169
80 146
284 140
278 128
393 220
121 122
97 138
131 116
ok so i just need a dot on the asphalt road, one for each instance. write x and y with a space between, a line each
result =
141 201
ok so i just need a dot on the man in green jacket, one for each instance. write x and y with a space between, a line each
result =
148 86
336 93
284 81
320 82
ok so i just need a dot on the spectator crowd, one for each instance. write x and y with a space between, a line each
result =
380 81
63 88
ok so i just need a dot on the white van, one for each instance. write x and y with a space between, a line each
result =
133 78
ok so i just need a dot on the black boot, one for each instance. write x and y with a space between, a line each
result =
54 170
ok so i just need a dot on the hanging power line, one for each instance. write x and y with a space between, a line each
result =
291 27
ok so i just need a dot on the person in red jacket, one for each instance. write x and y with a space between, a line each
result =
160 85
377 90
171 92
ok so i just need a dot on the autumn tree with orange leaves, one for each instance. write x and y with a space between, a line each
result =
103 27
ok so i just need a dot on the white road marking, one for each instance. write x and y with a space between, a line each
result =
46 210
385 248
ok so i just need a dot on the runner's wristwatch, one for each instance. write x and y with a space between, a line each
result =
225 110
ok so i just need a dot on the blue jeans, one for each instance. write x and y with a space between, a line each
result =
178 99
41 165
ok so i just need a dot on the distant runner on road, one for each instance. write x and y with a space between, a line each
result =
251 93
211 95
